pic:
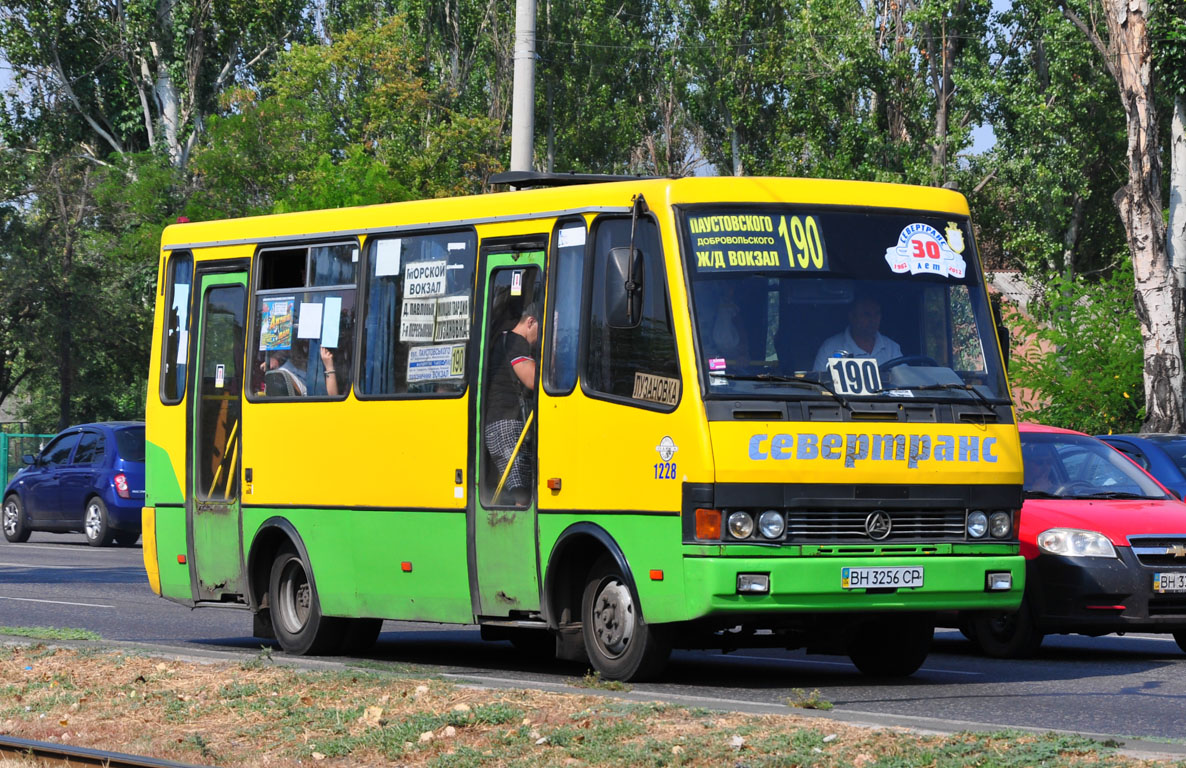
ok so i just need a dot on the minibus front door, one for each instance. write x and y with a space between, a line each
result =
213 524
504 554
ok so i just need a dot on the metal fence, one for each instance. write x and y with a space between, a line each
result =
13 445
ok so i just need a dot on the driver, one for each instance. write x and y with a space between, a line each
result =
861 338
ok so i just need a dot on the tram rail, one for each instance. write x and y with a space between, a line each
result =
68 754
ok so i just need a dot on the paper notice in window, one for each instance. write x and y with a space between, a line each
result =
182 346
387 257
416 320
571 237
452 319
331 320
309 326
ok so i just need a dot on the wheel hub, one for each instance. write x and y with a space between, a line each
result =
10 519
613 618
93 522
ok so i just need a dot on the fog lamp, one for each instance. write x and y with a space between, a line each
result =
753 583
998 582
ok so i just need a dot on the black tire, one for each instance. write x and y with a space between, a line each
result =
13 517
965 627
1011 635
295 610
126 538
620 645
1180 639
95 526
360 635
891 646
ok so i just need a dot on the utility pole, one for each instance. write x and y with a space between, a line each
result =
523 102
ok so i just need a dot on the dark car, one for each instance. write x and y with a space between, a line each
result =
1163 456
89 478
1105 548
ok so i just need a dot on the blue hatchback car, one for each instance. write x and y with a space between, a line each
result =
1163 456
89 478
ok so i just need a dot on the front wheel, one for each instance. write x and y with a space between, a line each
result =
296 612
891 647
1180 639
94 523
620 645
1010 635
13 517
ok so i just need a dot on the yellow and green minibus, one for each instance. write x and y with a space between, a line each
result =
752 412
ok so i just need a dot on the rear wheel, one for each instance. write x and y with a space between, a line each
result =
1010 635
13 520
94 523
620 645
891 647
296 612
360 635
1180 639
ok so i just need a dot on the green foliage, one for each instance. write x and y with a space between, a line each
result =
1167 31
50 633
1086 367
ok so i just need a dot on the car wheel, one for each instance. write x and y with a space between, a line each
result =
891 647
94 523
1010 635
1180 639
126 538
295 610
620 645
13 517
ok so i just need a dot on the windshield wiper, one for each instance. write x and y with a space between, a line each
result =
1041 495
779 378
976 394
1114 495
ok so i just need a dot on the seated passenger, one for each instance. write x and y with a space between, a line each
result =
287 377
861 338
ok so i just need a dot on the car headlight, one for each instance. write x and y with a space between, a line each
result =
771 523
1071 542
741 525
1000 525
977 524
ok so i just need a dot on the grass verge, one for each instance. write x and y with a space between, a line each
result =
258 713
50 633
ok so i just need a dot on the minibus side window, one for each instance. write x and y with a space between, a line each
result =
564 311
637 363
173 366
417 314
304 311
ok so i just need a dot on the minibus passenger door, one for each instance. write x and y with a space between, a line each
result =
213 523
504 556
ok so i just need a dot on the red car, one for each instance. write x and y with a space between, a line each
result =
1105 548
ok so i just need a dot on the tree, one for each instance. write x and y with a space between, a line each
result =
1168 27
1086 370
1124 45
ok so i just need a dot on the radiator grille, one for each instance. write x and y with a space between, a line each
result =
1162 551
906 525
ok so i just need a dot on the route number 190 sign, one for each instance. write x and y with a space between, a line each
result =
855 375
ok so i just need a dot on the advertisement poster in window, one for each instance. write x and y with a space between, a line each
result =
276 325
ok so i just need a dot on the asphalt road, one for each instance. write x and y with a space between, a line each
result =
1131 687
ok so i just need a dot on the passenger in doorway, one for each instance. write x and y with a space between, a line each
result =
509 399
861 338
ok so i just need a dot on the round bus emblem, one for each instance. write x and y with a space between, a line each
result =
878 525
666 448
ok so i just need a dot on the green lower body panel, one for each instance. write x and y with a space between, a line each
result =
171 554
388 564
815 585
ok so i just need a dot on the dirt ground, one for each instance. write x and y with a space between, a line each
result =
260 713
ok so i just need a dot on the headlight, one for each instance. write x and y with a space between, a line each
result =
741 525
1074 543
977 524
771 523
1000 525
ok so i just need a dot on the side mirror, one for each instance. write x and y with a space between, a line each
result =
1003 338
29 459
623 288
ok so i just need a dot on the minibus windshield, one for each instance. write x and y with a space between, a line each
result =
805 303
